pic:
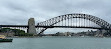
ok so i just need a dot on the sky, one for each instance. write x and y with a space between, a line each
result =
17 12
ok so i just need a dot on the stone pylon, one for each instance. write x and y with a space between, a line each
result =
31 26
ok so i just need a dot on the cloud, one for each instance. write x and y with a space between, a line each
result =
19 11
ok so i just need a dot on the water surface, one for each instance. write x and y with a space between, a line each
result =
58 43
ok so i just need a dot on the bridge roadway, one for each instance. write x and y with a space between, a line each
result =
26 26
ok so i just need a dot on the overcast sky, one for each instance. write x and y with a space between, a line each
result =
17 12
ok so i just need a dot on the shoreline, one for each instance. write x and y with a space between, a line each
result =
56 36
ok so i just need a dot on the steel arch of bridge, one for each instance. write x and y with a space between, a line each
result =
103 24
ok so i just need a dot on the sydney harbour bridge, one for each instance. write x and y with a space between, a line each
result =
75 20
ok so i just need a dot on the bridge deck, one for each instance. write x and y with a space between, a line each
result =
14 26
26 26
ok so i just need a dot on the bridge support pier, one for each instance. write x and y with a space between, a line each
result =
31 26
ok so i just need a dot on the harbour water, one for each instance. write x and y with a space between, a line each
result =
58 43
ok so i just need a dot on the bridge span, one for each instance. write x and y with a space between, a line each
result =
75 20
26 26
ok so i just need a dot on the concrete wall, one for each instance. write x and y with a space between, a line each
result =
31 26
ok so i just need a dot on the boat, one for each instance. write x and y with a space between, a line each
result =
4 39
83 36
69 36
